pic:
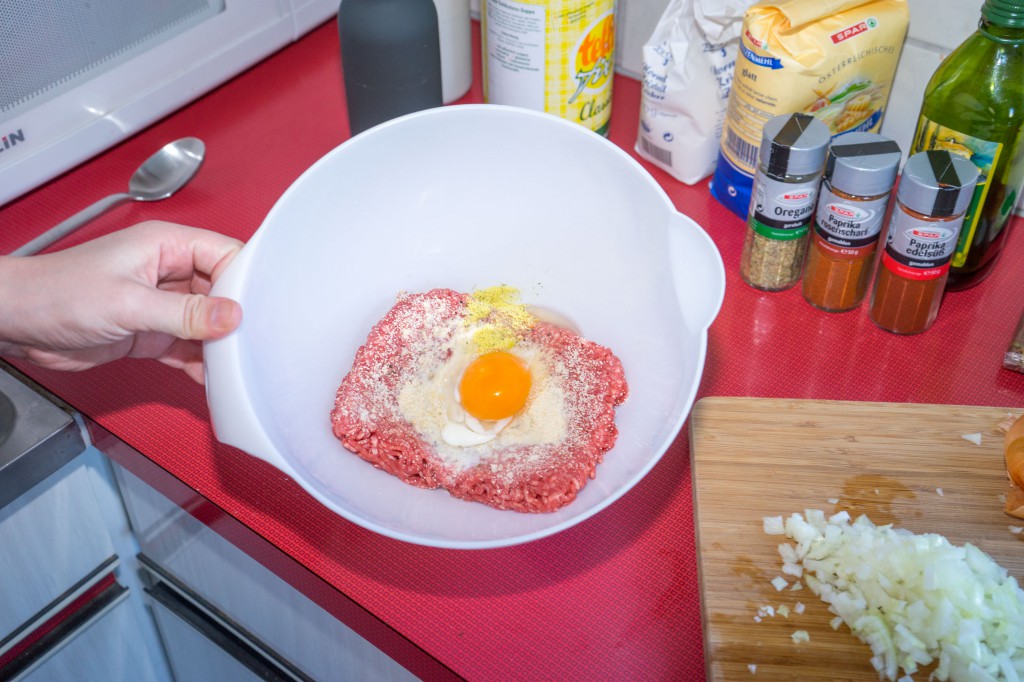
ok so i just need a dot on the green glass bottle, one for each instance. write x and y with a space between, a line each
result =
974 106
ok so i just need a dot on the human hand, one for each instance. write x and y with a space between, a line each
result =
141 292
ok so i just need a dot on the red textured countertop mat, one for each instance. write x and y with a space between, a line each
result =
613 598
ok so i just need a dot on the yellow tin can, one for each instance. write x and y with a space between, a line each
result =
555 56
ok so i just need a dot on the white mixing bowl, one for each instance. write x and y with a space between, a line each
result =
461 197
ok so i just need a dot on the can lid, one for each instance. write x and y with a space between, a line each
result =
793 144
863 164
937 183
1007 13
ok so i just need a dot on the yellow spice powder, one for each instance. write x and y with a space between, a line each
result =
505 318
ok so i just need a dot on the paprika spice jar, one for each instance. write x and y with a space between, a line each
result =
860 169
934 193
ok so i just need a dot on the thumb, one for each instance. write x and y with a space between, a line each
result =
187 316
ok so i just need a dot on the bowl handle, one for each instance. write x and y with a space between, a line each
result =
234 419
696 266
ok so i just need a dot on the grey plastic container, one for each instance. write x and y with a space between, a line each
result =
391 59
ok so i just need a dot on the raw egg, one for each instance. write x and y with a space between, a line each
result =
485 377
494 386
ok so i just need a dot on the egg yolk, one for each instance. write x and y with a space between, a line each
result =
494 386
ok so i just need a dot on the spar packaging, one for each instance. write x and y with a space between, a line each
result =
833 59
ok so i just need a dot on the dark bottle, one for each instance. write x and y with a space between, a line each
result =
974 106
391 59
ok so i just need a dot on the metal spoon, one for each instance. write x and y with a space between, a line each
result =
160 176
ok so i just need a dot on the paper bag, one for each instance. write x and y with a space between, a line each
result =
687 72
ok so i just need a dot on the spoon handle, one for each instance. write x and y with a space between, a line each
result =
63 229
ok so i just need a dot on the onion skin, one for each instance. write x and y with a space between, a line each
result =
1013 449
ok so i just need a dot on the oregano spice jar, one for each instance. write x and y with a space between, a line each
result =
934 192
784 195
860 169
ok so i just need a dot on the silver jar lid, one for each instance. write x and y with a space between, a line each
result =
937 183
862 164
793 144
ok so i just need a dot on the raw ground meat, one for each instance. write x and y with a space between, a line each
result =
525 478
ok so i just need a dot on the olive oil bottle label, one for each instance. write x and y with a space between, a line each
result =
848 229
781 210
982 153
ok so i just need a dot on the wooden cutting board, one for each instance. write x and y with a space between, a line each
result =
898 463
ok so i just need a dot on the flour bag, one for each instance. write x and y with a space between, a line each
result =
833 59
687 72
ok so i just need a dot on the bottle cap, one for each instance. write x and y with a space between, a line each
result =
937 183
793 144
1007 13
863 164
1013 360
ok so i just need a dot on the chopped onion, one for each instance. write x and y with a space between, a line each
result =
972 437
773 525
801 636
914 599
792 568
779 583
752 667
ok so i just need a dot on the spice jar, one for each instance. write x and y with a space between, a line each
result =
934 193
860 170
784 195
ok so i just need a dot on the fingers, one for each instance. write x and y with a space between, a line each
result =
134 292
186 251
75 360
180 264
185 316
184 355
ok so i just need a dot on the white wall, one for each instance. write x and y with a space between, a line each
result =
936 27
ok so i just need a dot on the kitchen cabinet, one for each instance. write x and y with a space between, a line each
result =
108 645
289 633
56 545
70 608
88 595
201 650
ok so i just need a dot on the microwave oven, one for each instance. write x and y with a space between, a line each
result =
77 77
